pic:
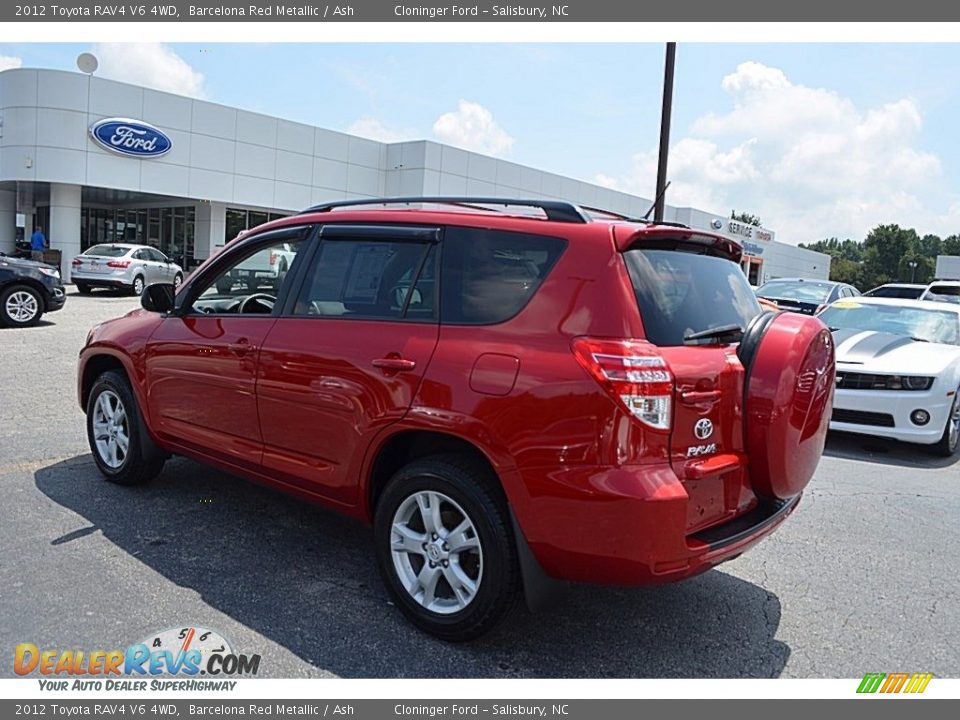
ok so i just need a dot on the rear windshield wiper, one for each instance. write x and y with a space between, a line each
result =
724 333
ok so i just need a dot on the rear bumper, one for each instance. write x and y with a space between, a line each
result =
105 281
630 526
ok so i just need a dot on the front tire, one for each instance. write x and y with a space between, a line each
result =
445 547
950 440
20 306
115 432
177 281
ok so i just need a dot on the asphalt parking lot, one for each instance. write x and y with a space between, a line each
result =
862 578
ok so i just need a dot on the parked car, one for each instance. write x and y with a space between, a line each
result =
943 291
509 399
904 291
123 266
803 295
28 289
898 370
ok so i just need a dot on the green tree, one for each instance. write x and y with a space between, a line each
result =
883 249
845 271
950 246
745 218
930 246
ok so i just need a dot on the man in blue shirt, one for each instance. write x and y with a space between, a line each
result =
38 244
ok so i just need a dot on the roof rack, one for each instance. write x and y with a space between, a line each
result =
556 210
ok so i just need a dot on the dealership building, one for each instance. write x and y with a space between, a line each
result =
92 160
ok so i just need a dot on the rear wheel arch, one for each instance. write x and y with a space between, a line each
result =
407 446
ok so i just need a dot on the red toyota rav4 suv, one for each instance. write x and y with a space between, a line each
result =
510 391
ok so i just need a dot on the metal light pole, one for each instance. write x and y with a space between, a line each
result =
913 269
665 130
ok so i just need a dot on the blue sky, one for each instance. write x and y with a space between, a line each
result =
818 139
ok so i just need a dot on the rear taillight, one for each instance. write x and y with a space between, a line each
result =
273 258
77 262
633 373
121 264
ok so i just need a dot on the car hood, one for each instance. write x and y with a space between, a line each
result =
886 352
22 263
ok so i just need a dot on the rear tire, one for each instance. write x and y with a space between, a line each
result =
20 306
116 433
448 509
950 440
138 286
83 288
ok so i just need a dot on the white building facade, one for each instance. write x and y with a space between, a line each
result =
227 169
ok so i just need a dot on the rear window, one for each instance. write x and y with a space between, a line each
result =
107 251
489 275
680 293
811 292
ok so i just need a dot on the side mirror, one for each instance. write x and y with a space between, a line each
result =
157 298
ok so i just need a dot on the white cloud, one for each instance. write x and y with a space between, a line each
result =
151 64
8 62
374 129
472 127
807 160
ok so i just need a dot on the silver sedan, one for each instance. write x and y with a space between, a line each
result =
123 266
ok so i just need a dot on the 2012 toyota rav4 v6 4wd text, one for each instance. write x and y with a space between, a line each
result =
510 391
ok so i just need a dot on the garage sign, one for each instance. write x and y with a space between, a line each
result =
134 138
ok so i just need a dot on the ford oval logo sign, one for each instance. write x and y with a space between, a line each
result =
130 137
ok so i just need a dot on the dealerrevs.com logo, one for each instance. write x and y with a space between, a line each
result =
185 652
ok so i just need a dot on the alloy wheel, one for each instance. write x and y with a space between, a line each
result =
22 306
138 286
436 552
111 429
954 423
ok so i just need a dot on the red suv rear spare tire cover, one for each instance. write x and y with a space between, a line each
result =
788 400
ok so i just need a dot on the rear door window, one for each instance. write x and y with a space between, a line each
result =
490 275
680 293
371 278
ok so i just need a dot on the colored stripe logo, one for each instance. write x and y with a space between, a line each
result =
894 683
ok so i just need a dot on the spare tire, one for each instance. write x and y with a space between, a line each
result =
789 378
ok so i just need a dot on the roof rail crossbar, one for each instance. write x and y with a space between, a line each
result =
556 210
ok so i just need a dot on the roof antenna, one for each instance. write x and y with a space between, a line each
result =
663 191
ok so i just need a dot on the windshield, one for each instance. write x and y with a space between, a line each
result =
107 251
938 326
682 293
801 291
944 293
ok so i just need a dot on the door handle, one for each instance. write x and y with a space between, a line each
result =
396 364
241 348
694 397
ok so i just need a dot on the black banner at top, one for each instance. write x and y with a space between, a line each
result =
467 11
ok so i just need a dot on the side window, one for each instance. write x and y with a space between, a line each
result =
378 279
156 255
251 283
140 255
489 275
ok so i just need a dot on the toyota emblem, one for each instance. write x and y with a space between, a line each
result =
703 429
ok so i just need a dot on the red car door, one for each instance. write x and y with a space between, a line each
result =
347 357
201 365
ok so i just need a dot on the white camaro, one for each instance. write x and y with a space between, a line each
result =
898 369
